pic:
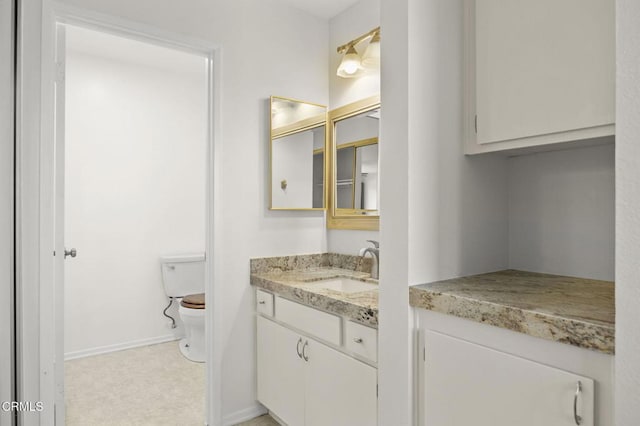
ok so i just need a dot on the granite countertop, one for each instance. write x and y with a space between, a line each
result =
299 280
576 311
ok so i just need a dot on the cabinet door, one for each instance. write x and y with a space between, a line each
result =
543 67
469 384
280 371
340 391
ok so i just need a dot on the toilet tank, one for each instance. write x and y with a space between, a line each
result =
183 274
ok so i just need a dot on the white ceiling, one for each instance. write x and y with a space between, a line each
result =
323 8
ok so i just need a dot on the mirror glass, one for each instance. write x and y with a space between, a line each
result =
356 168
298 137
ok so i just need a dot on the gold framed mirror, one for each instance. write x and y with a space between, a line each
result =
353 164
297 155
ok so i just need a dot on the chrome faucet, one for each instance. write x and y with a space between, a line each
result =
375 257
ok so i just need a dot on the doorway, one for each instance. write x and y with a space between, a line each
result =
131 175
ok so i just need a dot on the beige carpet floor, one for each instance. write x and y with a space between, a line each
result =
152 385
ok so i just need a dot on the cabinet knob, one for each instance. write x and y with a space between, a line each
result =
262 302
357 339
304 351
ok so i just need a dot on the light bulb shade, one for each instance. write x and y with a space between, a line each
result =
350 64
371 56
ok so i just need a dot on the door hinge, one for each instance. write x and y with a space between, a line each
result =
476 123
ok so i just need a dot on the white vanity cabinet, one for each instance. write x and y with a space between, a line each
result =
539 72
475 374
339 389
305 382
469 384
281 372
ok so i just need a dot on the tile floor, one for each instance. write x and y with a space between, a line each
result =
265 420
152 385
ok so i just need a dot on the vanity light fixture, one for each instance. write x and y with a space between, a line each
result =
352 65
371 56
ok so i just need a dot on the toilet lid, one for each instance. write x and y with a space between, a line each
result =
193 301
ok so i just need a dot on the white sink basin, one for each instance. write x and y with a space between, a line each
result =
346 285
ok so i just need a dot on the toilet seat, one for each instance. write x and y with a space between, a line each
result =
193 301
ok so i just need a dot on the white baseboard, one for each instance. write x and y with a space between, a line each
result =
119 347
244 415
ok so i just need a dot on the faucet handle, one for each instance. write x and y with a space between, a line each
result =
375 243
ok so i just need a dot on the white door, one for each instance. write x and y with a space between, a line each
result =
340 391
280 371
60 250
469 384
7 140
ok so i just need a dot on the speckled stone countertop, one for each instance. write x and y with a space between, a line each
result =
297 278
576 311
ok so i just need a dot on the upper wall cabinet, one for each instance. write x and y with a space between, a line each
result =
539 72
298 138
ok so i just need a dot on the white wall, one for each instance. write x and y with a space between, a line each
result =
134 185
353 22
292 160
257 38
444 215
627 368
561 212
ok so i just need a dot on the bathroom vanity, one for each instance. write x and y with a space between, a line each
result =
514 344
317 346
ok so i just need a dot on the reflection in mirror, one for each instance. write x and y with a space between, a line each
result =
356 185
353 165
298 135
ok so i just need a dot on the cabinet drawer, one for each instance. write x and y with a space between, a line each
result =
264 303
361 340
317 323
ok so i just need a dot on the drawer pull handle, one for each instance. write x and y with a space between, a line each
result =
357 339
304 351
262 302
298 348
576 417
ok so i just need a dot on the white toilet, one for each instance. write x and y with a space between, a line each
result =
183 279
